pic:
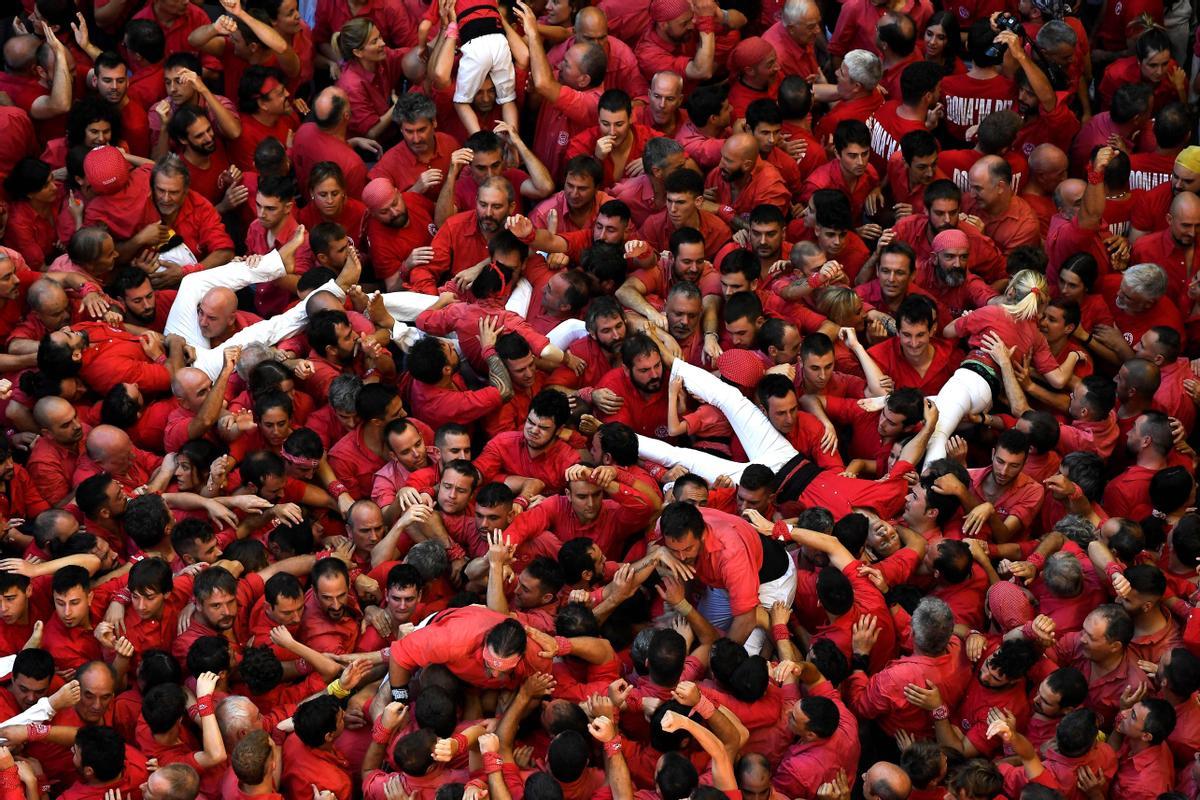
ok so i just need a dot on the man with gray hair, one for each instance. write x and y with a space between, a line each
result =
1138 301
646 194
793 38
854 95
191 216
419 163
935 662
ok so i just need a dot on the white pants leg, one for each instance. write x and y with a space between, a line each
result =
705 465
521 297
405 306
780 590
763 444
565 332
965 393
268 331
235 275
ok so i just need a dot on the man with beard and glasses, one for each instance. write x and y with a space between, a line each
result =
1174 249
639 380
192 134
742 181
943 212
462 242
399 231
945 274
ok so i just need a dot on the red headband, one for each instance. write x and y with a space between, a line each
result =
268 86
300 461
500 663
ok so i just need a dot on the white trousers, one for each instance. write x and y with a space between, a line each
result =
965 393
183 321
762 443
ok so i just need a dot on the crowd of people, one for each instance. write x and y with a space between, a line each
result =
645 400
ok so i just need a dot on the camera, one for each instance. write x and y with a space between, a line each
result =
1005 22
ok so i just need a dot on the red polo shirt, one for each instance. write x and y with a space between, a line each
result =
572 113
881 695
584 144
455 638
303 766
860 108
705 150
647 417
507 455
438 405
51 466
403 167
458 245
114 356
657 232
463 319
391 246
1104 691
830 176
887 131
806 765
891 360
128 785
730 558
311 145
327 635
968 100
354 463
1161 248
241 150
766 187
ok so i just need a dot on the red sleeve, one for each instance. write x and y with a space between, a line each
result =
531 522
576 106
490 463
213 235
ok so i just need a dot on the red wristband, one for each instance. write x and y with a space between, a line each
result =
1038 560
780 633
454 552
529 239
705 708
706 24
205 706
492 762
462 742
380 734
816 281
488 352
88 288
781 531
338 488
1095 177
564 645
36 732
521 501
613 747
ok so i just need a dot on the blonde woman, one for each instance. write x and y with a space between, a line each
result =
1014 322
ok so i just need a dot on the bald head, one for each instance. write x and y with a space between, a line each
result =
1047 158
1184 219
1138 376
331 108
591 25
106 441
742 146
190 386
216 312
20 53
58 420
1068 195
322 301
886 781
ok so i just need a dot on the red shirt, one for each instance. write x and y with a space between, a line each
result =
1128 70
312 145
1144 775
1065 238
806 765
620 518
200 226
370 92
114 356
983 259
51 466
1161 248
1148 170
455 638
1017 226
178 31
584 144
458 245
1114 30
303 766
658 229
830 176
1164 312
507 455
249 589
766 187
647 417
404 167
31 234
881 695
241 150
793 59
1150 213
638 194
1100 758
17 138
326 635
572 113
128 785
887 131
354 463
390 246
891 360
438 405
1104 691
704 149
463 319
1057 127
860 108
730 558
394 25
968 100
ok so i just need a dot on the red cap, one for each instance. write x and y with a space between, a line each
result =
106 170
742 368
1009 605
667 10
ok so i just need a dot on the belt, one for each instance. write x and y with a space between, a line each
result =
795 476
